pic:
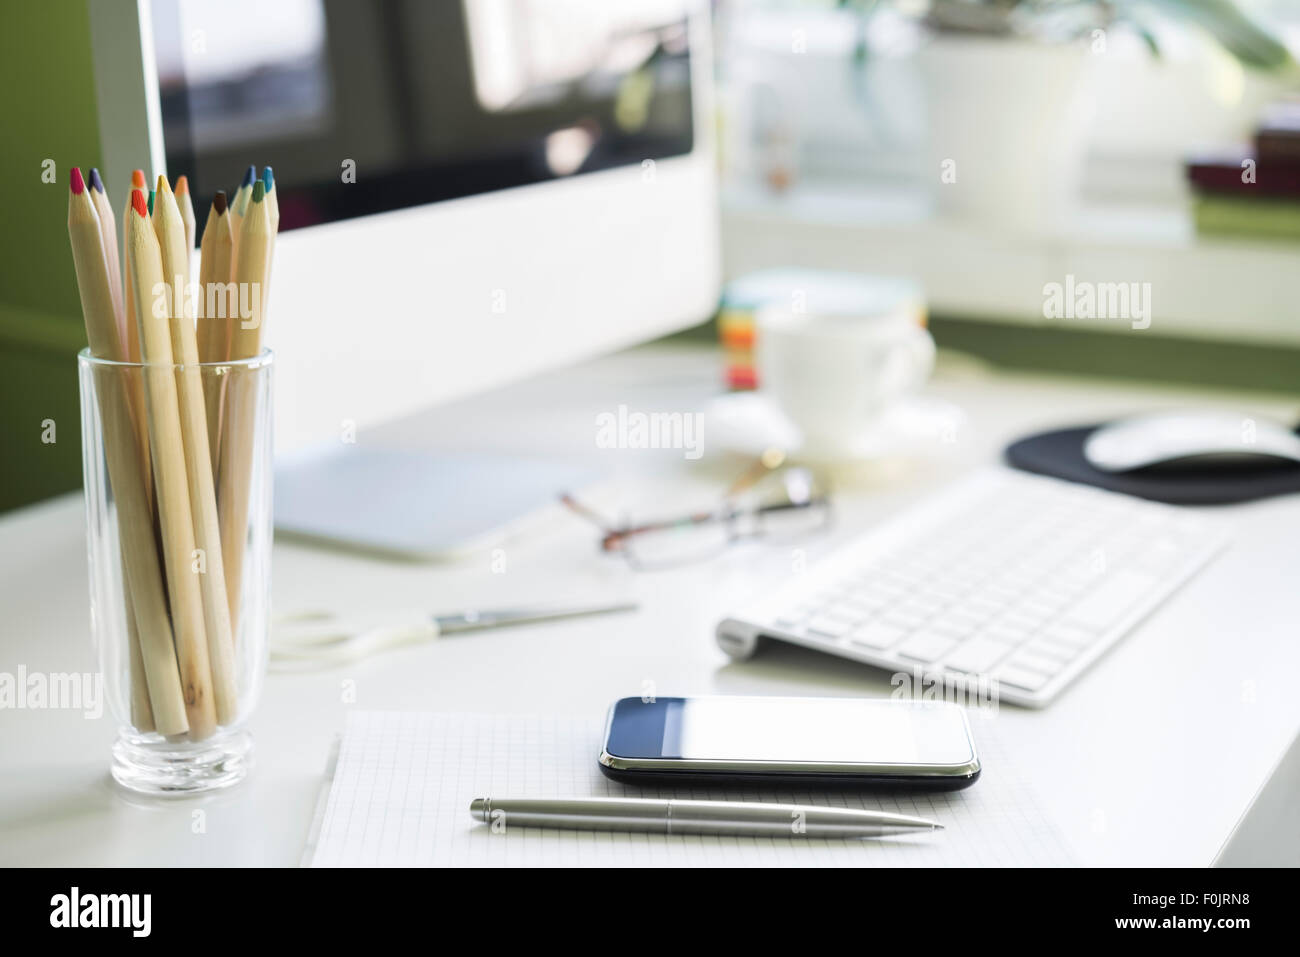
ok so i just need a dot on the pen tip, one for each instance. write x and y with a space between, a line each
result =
936 827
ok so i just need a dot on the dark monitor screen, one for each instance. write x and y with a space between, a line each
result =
367 107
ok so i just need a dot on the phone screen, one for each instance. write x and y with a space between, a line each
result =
781 730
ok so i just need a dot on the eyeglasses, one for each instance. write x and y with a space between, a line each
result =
773 504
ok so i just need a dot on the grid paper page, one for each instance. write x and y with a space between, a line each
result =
403 783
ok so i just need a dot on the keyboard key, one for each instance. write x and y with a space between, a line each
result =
793 617
829 627
1115 595
977 655
1034 661
1021 678
926 646
1070 635
1050 649
877 635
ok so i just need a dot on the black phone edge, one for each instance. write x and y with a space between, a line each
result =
686 778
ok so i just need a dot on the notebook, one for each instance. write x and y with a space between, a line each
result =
402 782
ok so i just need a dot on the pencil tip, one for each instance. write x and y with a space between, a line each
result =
259 191
78 184
163 186
219 201
137 179
96 183
268 178
250 174
138 203
938 827
182 184
151 197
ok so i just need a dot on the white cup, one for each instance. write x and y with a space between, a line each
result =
834 373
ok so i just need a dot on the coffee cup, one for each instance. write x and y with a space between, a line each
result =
834 372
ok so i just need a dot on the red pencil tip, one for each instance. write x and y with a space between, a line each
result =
78 184
137 179
139 204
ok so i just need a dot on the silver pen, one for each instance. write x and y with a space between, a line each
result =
745 818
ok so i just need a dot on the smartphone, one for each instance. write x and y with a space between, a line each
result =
789 741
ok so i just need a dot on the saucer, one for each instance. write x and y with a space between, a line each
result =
749 423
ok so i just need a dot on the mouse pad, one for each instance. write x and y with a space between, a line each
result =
1060 454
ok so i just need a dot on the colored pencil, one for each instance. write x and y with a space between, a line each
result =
157 702
273 215
238 422
108 231
216 309
175 257
239 203
170 482
186 206
128 307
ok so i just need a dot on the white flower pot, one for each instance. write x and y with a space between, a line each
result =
1008 125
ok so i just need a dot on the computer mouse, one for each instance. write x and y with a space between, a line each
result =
1193 438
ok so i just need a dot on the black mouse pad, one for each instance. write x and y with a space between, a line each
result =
1060 454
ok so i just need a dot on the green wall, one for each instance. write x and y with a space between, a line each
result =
47 111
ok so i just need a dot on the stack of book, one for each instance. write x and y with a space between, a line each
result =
1256 191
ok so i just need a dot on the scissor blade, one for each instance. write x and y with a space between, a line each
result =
507 617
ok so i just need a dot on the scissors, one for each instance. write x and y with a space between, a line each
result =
313 640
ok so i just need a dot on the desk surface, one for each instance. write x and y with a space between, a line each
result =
1151 758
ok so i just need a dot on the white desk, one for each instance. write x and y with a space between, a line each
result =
1151 758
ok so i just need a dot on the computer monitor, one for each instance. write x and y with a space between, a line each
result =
470 192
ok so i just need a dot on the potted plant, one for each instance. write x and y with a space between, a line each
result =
1009 120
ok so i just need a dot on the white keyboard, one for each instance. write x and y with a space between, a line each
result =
1011 579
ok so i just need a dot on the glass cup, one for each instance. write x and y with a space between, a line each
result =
177 471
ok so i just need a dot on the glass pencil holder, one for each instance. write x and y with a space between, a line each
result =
177 470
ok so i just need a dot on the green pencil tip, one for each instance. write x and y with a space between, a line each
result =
259 191
152 193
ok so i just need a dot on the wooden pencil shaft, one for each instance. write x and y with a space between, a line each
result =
198 463
170 482
252 257
141 709
214 321
147 612
141 571
108 236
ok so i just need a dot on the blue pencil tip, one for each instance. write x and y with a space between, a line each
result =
268 178
249 175
96 183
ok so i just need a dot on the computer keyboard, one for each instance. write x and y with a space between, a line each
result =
1013 580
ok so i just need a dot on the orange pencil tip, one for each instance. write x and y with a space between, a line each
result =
137 179
182 185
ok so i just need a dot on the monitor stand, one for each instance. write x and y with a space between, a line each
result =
415 505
